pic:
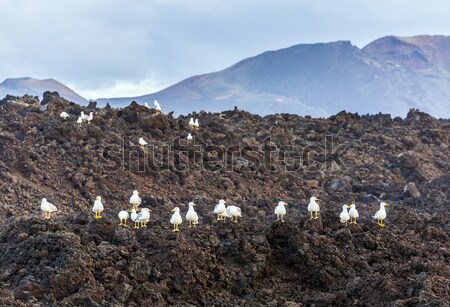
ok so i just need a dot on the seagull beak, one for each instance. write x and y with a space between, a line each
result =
348 207
173 210
386 205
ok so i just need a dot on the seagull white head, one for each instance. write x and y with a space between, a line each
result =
44 200
99 198
345 207
383 204
191 204
313 199
135 192
282 203
176 210
222 201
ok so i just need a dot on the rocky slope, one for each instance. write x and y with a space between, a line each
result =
252 161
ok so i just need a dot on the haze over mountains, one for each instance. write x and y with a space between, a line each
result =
390 75
35 87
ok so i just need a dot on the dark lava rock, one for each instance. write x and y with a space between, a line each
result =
251 161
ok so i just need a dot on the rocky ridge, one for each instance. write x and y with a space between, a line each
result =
252 161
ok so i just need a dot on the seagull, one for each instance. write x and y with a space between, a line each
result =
64 115
191 215
135 200
157 106
344 215
196 124
146 104
142 143
380 215
83 116
280 210
134 218
234 212
98 207
143 217
79 121
353 214
189 138
123 216
90 117
47 207
313 207
176 219
220 209
191 123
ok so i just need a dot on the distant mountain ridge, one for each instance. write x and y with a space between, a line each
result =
390 75
35 87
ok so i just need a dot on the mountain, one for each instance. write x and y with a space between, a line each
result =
391 75
35 87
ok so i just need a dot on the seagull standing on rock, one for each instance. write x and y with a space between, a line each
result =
47 207
219 209
64 115
353 214
134 219
191 215
157 106
191 123
344 216
176 219
196 124
142 142
143 217
280 210
380 215
135 200
189 138
98 207
123 216
79 121
313 207
235 212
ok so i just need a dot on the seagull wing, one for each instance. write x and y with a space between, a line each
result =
52 207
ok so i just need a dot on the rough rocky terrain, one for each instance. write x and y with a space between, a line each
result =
252 161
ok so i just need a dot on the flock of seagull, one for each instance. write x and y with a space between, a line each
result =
222 211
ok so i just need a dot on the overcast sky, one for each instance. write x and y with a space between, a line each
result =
112 48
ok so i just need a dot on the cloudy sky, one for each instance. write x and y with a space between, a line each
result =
113 48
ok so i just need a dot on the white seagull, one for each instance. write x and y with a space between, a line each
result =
380 215
280 210
191 215
157 106
98 207
344 217
196 124
313 207
353 214
176 219
135 200
123 216
219 209
191 123
235 212
143 217
47 207
142 142
134 218
146 104
79 121
189 138
64 115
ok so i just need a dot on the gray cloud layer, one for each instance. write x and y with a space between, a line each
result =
125 48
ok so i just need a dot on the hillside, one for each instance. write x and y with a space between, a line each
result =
35 87
390 75
75 260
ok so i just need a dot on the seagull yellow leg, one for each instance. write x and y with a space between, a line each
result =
311 216
317 215
120 224
218 217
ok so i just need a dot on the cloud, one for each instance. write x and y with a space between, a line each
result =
109 45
